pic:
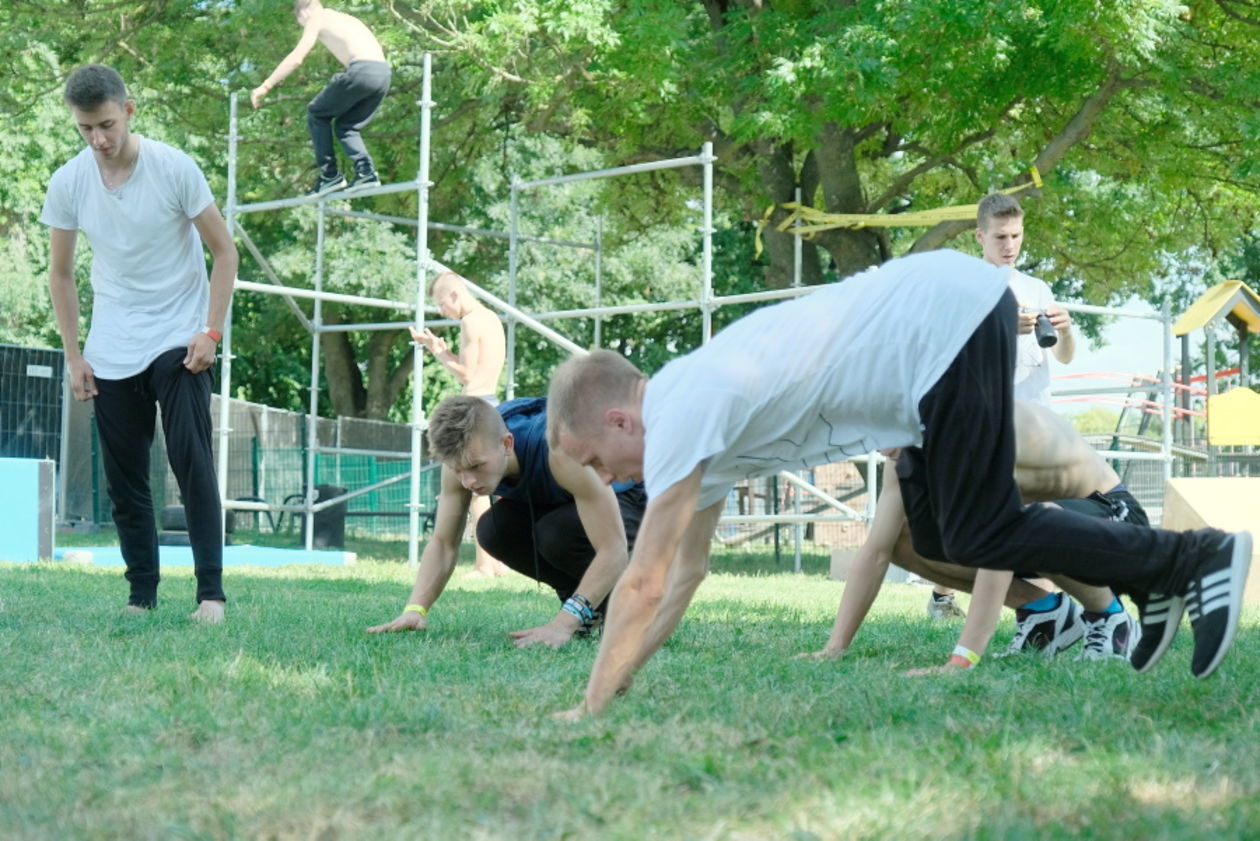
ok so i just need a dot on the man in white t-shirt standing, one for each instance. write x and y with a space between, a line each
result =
867 372
146 209
1000 232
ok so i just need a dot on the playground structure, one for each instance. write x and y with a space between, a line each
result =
705 301
1233 418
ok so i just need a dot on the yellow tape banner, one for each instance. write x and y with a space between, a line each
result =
814 220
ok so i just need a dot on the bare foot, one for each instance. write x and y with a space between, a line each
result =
572 715
494 569
137 610
208 612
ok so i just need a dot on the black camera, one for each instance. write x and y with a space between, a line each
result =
1045 332
1046 335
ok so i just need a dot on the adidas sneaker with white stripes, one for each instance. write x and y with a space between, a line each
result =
1214 602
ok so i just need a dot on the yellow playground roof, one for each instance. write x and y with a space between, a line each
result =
1233 299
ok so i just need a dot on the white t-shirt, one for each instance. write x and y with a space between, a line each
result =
149 284
1032 363
833 374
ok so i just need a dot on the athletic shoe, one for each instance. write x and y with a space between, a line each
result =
1047 631
364 180
588 629
324 186
1160 617
944 606
1108 635
1214 601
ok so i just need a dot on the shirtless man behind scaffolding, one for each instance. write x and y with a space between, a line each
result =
477 366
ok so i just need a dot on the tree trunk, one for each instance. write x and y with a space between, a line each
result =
851 250
345 381
774 162
383 385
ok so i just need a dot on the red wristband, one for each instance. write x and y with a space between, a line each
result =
214 334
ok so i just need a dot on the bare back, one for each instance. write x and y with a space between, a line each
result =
346 37
1052 460
482 344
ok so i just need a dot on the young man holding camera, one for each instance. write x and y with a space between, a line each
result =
1042 324
1000 232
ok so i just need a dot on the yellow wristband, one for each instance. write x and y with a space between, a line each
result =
967 654
416 608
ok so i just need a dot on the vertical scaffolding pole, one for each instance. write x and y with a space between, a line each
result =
599 279
706 294
798 528
312 415
225 349
1209 335
514 259
417 352
1165 444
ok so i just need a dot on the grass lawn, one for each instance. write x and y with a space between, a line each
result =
289 722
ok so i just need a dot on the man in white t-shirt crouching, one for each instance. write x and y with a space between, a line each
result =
146 209
872 373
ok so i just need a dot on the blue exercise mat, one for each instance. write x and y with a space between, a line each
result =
243 555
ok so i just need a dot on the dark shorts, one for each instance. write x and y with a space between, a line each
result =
1117 505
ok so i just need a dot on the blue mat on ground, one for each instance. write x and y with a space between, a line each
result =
243 555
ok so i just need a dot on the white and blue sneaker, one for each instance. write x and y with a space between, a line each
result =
1048 631
1109 635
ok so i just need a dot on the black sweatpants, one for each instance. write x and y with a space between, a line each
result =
125 420
550 545
963 505
351 99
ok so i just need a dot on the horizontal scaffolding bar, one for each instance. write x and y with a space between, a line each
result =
298 201
736 519
382 325
1093 310
649 166
662 306
351 451
293 291
458 229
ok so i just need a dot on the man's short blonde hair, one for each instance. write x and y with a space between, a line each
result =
457 422
997 206
443 279
582 387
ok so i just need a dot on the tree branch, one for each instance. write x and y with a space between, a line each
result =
1076 130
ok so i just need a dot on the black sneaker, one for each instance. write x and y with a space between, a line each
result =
1214 601
324 186
364 180
1160 617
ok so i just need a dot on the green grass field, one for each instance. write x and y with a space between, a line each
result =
289 722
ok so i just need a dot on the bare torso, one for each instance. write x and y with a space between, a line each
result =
481 339
1052 460
347 38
